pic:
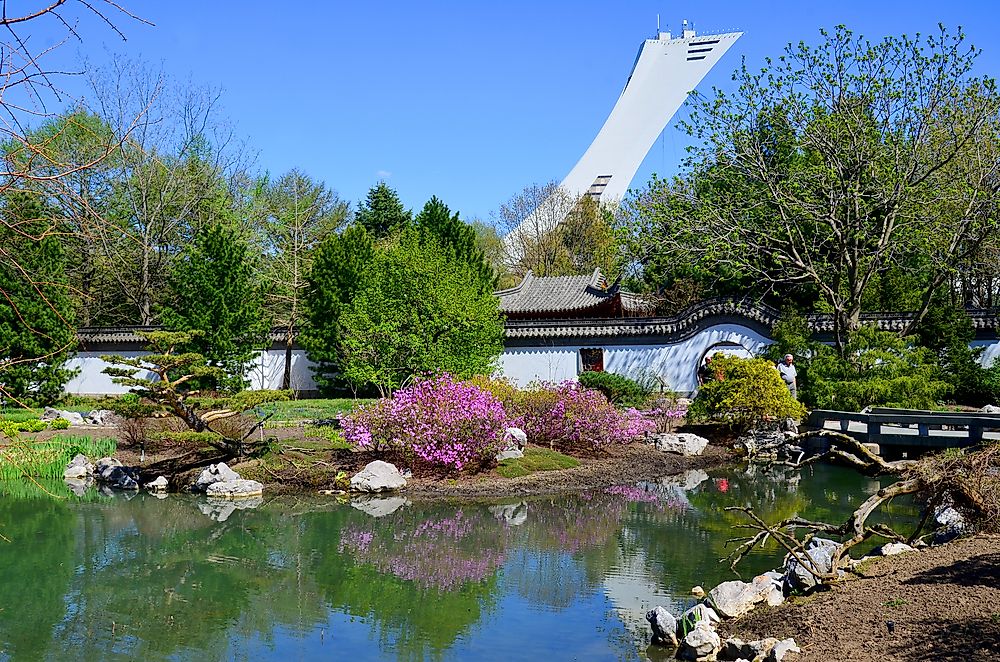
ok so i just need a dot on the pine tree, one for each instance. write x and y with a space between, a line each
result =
338 269
215 292
457 238
382 214
37 331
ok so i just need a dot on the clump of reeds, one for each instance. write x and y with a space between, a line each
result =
48 459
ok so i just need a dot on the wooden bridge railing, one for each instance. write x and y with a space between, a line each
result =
910 427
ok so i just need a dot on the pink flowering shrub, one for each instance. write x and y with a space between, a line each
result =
576 419
438 421
665 415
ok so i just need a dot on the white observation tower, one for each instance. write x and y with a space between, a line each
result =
666 70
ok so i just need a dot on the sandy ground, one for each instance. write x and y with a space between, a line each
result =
943 604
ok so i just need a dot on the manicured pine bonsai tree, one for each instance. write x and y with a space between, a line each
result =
166 378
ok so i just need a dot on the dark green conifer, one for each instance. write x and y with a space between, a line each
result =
215 291
37 331
338 270
382 213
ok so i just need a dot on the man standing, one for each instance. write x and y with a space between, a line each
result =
705 371
786 369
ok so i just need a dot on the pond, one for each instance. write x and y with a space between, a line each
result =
103 577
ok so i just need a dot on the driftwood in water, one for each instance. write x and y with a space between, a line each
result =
966 480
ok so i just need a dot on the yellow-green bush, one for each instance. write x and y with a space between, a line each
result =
750 390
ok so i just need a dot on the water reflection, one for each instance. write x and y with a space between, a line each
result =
98 577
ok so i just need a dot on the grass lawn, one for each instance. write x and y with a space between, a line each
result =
296 410
536 459
19 415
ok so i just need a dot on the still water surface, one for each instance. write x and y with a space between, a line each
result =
555 578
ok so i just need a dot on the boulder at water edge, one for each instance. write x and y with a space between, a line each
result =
378 476
235 489
894 548
111 473
664 626
79 467
697 614
821 551
701 643
683 443
735 598
766 650
215 473
160 484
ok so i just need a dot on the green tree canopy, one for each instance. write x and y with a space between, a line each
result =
337 271
215 292
417 312
37 331
382 213
457 238
834 165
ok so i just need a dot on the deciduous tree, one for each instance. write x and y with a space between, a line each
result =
835 164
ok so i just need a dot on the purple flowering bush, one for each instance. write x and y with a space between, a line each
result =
438 421
576 419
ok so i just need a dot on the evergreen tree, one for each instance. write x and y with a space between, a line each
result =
37 329
215 292
457 239
382 213
338 268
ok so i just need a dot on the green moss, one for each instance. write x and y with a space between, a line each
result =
536 459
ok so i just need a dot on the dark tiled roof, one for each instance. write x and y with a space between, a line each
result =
566 294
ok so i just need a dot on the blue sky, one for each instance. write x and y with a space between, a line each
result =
470 101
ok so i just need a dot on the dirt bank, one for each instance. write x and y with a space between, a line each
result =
622 465
943 602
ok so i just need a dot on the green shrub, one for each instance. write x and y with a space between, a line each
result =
877 368
619 389
11 428
750 391
59 424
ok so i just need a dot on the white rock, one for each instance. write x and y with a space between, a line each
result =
378 476
159 484
100 417
698 614
990 409
894 548
379 506
51 414
514 437
510 454
684 443
701 643
664 626
235 489
215 473
79 467
735 598
782 648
